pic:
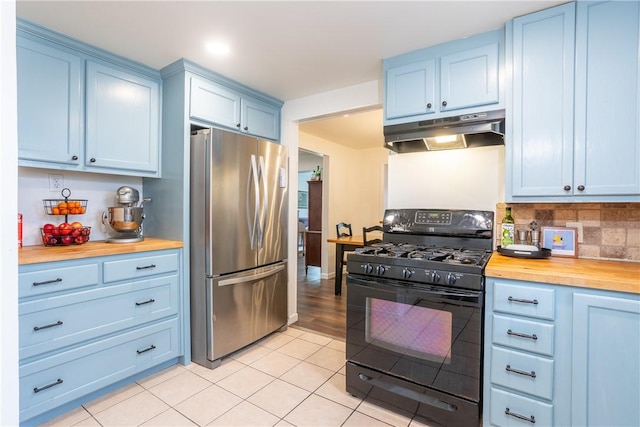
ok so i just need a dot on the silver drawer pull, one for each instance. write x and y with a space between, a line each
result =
524 301
531 419
146 349
149 301
47 282
531 374
146 267
39 328
39 389
521 335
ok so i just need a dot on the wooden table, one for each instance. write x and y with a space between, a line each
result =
342 244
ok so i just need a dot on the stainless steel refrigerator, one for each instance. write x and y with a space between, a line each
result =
238 242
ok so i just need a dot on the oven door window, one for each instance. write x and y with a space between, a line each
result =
416 331
429 335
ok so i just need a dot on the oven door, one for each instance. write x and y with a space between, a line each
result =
429 335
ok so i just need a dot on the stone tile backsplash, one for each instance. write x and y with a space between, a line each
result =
610 230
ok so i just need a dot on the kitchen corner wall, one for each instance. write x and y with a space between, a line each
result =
98 189
611 230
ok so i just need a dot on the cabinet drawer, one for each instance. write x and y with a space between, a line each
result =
49 280
133 268
51 382
509 409
523 334
524 300
69 319
523 372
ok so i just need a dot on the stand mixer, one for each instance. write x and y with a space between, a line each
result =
124 222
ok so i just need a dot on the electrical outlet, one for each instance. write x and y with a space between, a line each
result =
577 225
56 182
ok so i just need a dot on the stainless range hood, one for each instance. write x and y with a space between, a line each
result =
466 131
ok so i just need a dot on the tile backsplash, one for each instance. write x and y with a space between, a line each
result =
610 230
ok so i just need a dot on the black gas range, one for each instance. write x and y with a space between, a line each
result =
446 247
415 314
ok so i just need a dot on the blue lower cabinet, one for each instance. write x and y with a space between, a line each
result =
88 324
53 381
560 355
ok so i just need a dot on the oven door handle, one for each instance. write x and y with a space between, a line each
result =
456 294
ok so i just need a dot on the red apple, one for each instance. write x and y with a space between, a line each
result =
79 240
76 232
64 228
48 228
66 240
86 231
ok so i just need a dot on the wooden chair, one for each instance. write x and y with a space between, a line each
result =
343 230
301 245
370 241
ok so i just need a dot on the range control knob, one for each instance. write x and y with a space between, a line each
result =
451 279
434 276
367 268
406 273
380 270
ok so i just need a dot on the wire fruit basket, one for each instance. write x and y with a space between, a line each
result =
66 233
65 206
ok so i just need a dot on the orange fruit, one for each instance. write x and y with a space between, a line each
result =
81 210
55 210
63 205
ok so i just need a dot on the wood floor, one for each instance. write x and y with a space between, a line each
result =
318 308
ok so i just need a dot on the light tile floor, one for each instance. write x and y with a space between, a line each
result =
291 378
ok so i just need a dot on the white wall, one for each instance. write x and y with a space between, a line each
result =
452 179
327 103
98 189
8 217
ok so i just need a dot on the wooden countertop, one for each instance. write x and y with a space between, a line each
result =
39 253
587 273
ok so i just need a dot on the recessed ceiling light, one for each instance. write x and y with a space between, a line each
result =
218 48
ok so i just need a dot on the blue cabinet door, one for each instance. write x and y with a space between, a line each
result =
49 104
605 376
540 151
469 78
607 116
214 103
410 89
260 119
123 120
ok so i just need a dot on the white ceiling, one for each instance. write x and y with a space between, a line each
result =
287 49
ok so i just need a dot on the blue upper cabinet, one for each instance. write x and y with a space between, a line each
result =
411 89
122 119
572 131
50 103
83 109
469 78
215 103
607 107
459 77
541 144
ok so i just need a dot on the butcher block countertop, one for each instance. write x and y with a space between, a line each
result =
38 253
587 273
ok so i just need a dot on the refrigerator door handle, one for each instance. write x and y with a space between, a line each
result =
252 179
265 202
251 277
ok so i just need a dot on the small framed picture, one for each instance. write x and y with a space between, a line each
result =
562 241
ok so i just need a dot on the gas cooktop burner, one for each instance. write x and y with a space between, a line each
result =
415 252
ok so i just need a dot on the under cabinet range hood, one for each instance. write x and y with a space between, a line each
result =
465 131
